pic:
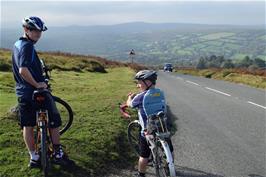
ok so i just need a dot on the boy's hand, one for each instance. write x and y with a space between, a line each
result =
131 95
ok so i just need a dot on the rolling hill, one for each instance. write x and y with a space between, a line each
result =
153 43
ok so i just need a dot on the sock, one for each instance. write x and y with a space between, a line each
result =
34 155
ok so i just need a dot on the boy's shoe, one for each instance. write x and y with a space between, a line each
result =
34 163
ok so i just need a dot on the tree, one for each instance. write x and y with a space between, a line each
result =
245 62
259 62
227 64
201 64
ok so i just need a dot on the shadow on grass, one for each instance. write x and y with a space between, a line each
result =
85 167
67 171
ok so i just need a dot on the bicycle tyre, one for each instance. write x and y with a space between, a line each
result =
44 148
164 160
67 120
133 134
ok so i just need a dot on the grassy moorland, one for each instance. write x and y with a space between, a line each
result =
97 139
255 78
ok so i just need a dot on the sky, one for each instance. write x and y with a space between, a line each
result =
84 13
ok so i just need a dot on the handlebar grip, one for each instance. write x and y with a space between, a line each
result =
123 112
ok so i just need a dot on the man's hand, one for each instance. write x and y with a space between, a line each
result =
41 85
26 75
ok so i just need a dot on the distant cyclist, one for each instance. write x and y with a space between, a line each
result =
28 74
146 81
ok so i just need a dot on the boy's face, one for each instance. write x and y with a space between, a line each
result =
142 86
34 35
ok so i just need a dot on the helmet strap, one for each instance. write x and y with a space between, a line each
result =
148 86
30 38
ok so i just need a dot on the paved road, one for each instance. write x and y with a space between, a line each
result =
221 127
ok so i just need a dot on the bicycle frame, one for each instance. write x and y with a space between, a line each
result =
42 140
47 76
42 118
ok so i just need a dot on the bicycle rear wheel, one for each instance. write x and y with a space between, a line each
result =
44 148
66 114
133 134
164 160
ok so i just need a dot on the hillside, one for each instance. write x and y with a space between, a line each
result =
97 138
153 43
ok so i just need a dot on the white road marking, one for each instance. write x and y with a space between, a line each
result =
192 82
257 104
217 91
179 78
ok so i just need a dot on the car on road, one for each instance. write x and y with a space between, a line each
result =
168 67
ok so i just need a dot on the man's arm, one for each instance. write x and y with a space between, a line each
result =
26 75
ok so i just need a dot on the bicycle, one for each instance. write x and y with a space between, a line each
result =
157 136
63 107
43 140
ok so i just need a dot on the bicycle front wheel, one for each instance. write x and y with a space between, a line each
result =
44 157
66 114
133 134
164 160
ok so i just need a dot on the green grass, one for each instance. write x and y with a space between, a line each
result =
228 75
214 36
183 52
97 138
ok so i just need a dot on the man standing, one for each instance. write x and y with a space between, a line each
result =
28 74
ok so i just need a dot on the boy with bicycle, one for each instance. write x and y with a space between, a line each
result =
28 74
146 80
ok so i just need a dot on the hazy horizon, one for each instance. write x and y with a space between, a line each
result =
135 22
56 14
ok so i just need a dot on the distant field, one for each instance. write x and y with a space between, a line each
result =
217 35
156 45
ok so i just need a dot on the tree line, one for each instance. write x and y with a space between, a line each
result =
214 61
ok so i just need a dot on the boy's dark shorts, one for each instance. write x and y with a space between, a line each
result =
27 112
144 147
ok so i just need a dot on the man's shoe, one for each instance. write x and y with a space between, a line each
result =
64 160
34 163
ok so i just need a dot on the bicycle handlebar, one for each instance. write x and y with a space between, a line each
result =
47 74
122 108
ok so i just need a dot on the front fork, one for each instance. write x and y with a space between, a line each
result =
42 122
154 150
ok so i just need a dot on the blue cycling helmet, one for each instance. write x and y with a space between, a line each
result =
34 23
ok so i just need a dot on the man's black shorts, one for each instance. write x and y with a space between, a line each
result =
27 112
